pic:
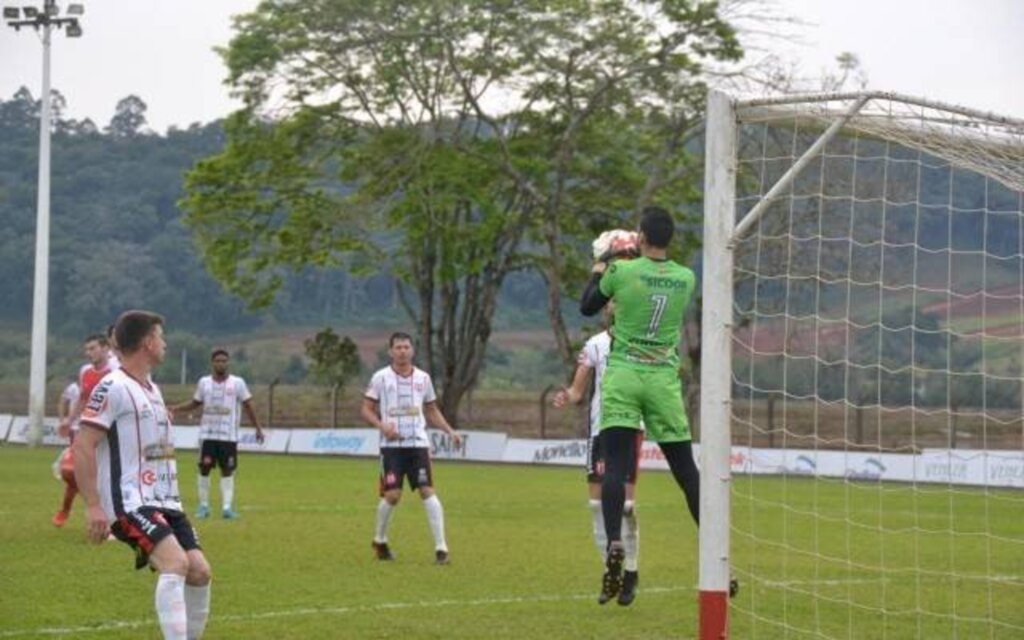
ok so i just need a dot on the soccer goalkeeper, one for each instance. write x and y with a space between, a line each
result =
642 384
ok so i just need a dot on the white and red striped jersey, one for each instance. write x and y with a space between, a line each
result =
594 355
135 462
400 400
222 407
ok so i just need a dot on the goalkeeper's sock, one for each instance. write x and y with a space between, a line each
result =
197 609
384 511
597 519
679 456
227 492
631 535
170 606
620 443
204 491
435 516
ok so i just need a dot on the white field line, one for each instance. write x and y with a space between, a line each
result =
313 611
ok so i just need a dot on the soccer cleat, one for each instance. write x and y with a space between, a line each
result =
381 551
734 587
441 557
611 581
60 519
229 514
203 512
630 581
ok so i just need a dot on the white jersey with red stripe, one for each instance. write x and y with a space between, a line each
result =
400 400
135 462
594 355
222 407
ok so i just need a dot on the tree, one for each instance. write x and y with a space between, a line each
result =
448 144
335 360
129 117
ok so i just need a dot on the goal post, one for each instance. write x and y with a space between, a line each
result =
862 370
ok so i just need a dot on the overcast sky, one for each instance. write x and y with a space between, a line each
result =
968 52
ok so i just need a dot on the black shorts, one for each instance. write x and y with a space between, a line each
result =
222 453
595 459
596 456
397 463
145 527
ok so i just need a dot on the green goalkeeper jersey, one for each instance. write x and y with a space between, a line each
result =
651 298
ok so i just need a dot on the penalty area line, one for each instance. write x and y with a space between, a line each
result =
337 611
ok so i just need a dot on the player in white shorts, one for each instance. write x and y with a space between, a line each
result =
128 477
223 397
400 402
590 367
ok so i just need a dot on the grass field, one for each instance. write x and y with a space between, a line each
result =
298 563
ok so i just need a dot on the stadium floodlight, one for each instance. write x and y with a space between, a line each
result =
43 20
76 9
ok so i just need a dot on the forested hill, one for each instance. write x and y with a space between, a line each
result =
117 238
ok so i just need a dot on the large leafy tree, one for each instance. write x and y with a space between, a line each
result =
449 144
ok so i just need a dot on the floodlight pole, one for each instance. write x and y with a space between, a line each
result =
45 19
41 290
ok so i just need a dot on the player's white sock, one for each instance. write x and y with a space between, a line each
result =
197 607
170 606
631 535
597 520
435 515
384 511
204 491
227 491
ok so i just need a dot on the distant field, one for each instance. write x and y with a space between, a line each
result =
298 563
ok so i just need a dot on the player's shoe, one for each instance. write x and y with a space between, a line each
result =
381 551
229 514
60 519
734 587
441 557
630 581
203 512
611 581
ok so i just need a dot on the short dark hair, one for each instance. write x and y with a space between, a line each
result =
397 336
657 226
219 351
132 327
97 337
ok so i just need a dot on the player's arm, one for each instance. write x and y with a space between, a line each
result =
436 419
370 412
65 409
186 406
250 413
593 300
84 448
574 393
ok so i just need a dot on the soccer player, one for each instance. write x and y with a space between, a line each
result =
127 474
591 364
223 397
64 465
101 362
642 384
400 402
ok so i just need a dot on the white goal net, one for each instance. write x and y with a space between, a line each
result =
874 346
